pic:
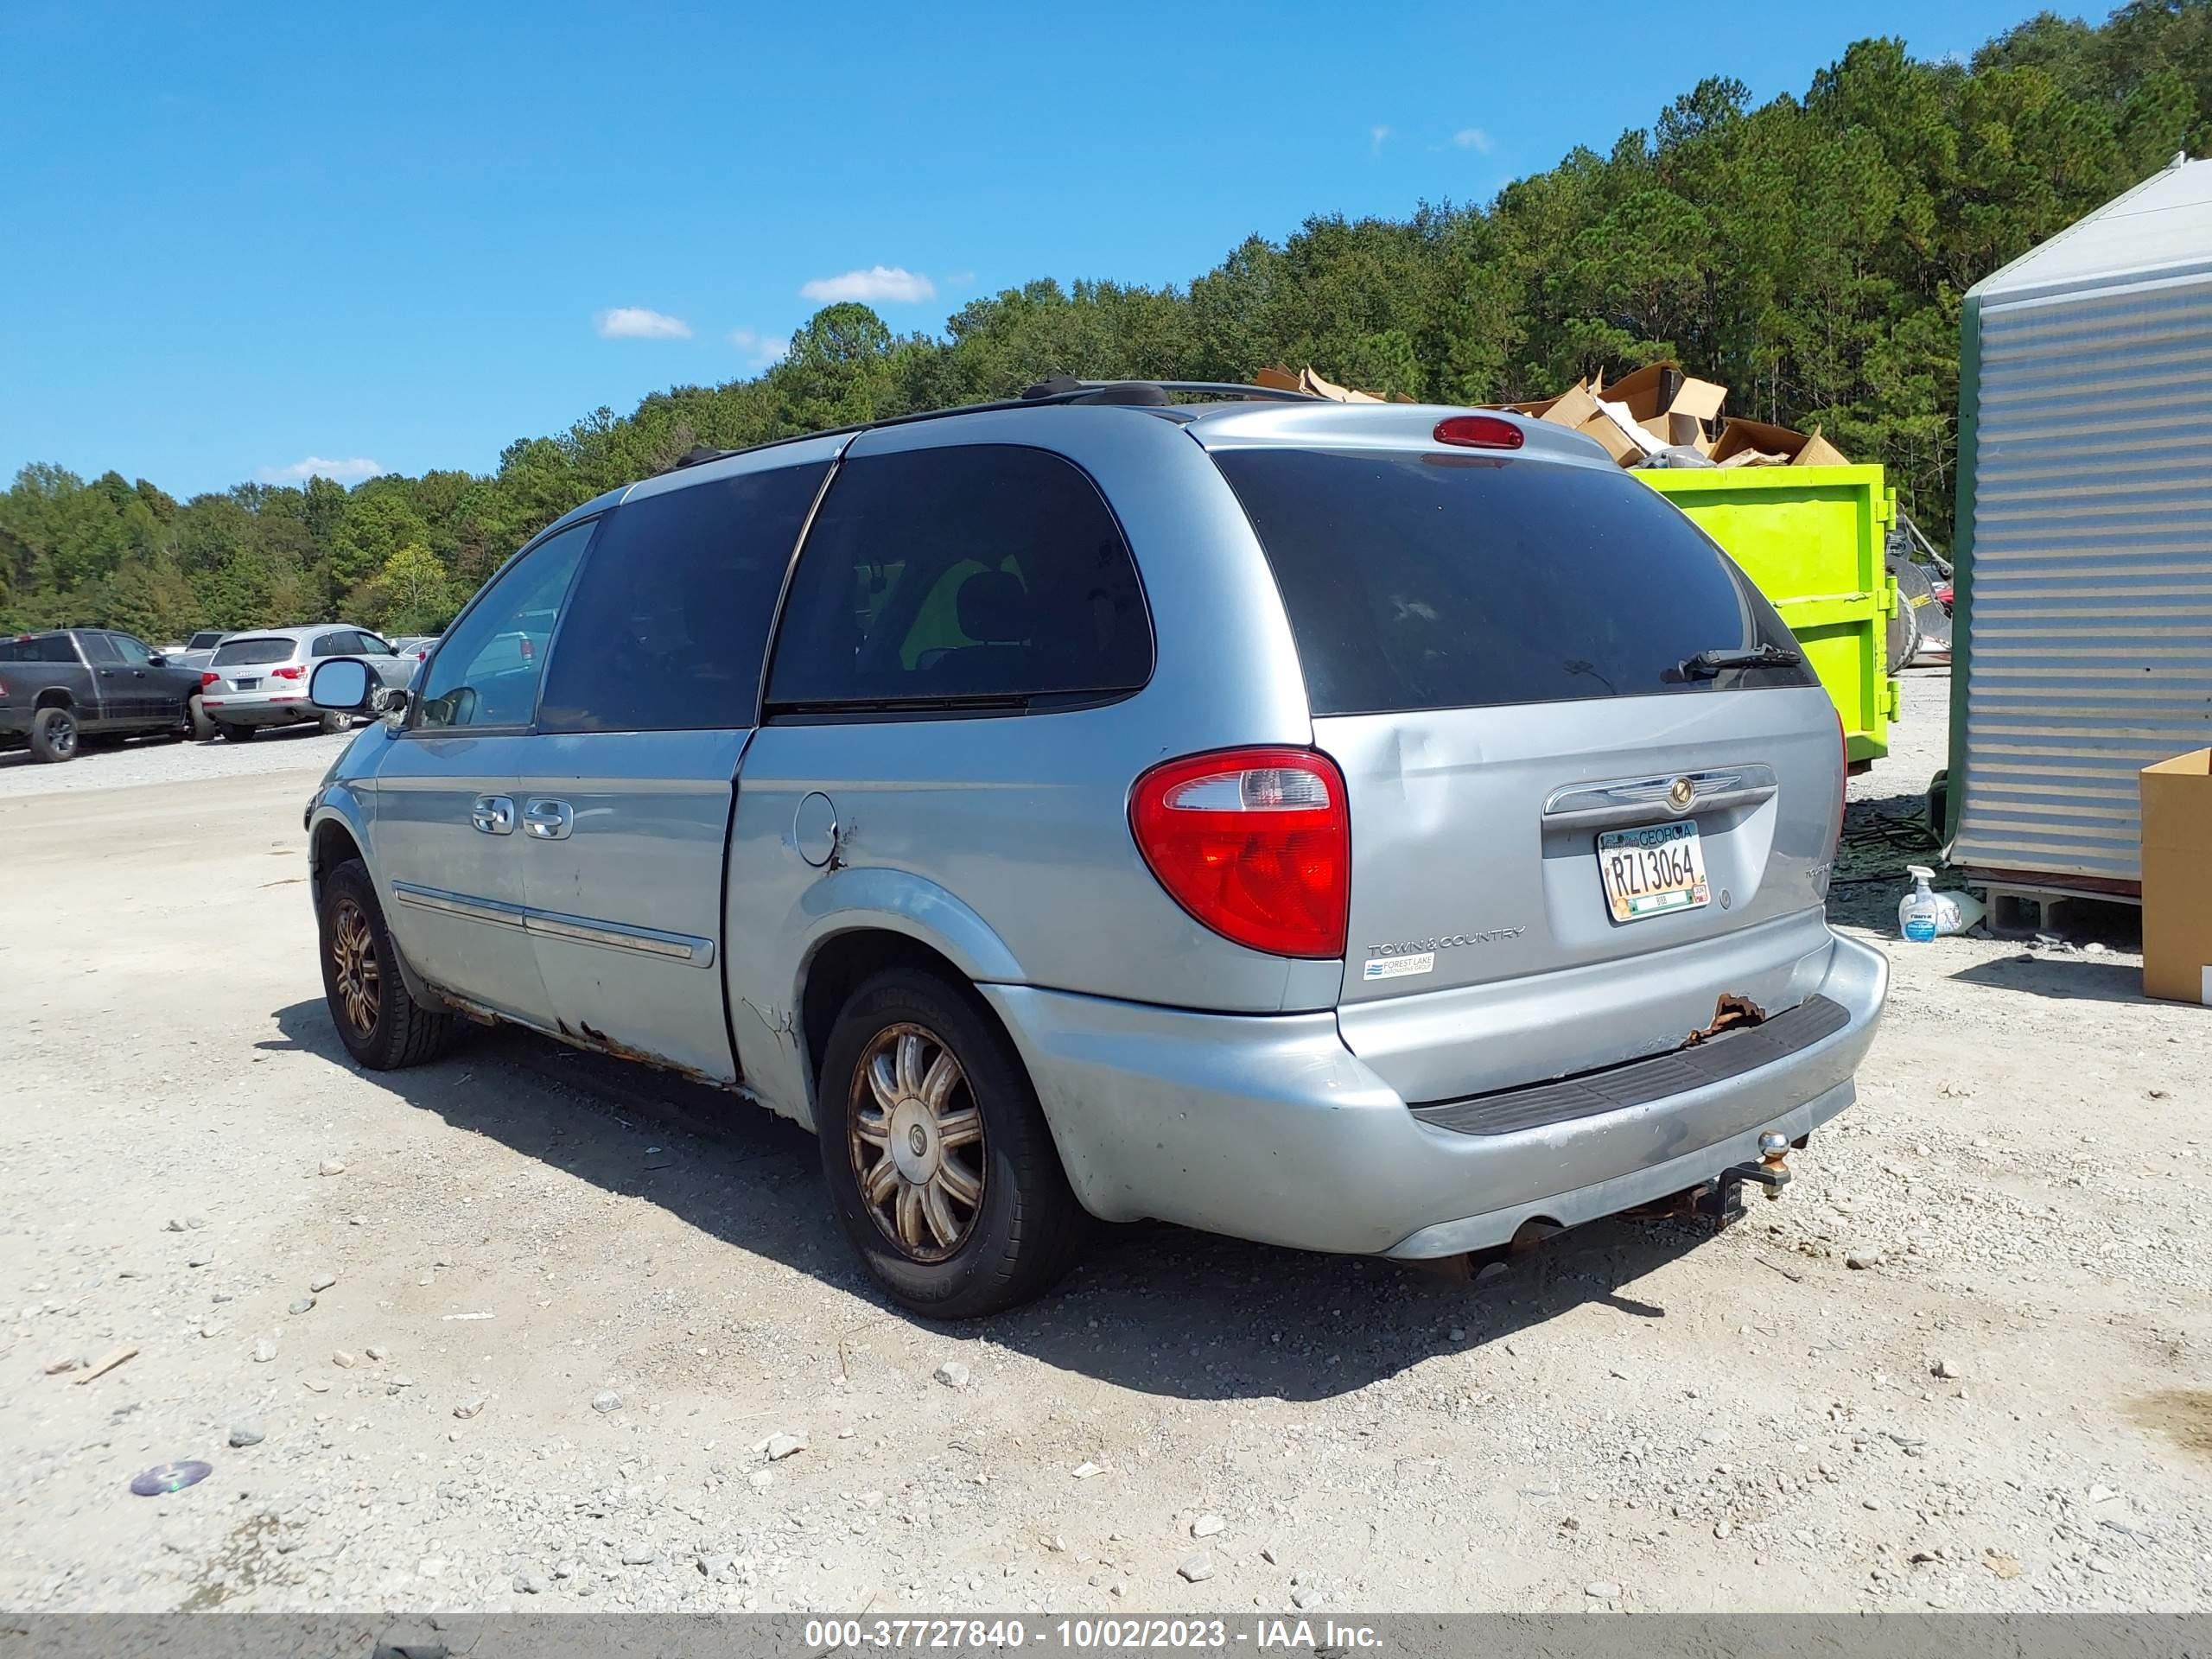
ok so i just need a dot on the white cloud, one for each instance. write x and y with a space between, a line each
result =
1375 138
345 472
759 349
894 284
638 322
1472 138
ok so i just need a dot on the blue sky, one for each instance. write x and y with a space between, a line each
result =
404 235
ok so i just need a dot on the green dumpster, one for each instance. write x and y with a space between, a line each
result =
1811 538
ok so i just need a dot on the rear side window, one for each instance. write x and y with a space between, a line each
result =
244 653
985 575
45 648
1423 581
344 642
99 649
671 613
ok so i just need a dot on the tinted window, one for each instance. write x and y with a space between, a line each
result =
978 574
671 612
1425 581
485 673
134 651
244 653
45 648
344 642
203 642
100 650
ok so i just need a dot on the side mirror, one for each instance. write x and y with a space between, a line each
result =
342 684
159 659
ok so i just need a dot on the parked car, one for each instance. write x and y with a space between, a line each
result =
195 650
70 689
258 680
1316 823
417 646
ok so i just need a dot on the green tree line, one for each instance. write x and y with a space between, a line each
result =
1810 252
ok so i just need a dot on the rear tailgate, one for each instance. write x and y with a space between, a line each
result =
250 665
1566 844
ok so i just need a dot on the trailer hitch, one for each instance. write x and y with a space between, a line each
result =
1722 1202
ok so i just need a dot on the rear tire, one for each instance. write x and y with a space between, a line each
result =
203 726
54 736
334 722
381 1024
1903 634
1015 1225
234 733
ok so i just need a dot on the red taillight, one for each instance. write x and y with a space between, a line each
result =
528 650
291 673
1479 432
1255 843
206 678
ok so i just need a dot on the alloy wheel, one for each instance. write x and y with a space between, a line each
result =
354 967
915 1134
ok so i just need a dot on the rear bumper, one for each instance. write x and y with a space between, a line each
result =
1269 1127
259 708
15 723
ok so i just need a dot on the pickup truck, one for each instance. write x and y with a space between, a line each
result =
63 690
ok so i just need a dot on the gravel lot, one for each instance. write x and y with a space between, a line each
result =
168 760
565 1306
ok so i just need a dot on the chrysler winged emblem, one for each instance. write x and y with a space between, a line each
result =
1681 793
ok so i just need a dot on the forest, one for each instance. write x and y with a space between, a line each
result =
1810 253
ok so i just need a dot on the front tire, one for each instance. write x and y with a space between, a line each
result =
939 1164
332 722
54 736
382 1025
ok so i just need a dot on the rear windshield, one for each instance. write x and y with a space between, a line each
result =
234 653
1415 580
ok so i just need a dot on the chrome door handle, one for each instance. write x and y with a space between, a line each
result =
545 820
494 814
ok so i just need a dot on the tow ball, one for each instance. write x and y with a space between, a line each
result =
1722 1202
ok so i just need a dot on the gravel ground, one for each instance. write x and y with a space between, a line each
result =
168 760
523 1329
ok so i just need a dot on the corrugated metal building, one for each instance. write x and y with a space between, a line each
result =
2084 539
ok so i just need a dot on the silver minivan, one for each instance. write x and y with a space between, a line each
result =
1375 829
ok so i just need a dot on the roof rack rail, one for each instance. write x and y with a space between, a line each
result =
1152 394
1064 389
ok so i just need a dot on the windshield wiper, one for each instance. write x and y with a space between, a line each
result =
1706 664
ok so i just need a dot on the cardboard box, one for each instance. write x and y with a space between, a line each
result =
1282 380
1763 445
2177 878
1673 407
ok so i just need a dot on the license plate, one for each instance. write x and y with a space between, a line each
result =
1653 870
244 685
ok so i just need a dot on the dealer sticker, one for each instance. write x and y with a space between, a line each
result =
1399 966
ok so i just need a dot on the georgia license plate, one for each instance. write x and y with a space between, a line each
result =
1652 870
245 685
